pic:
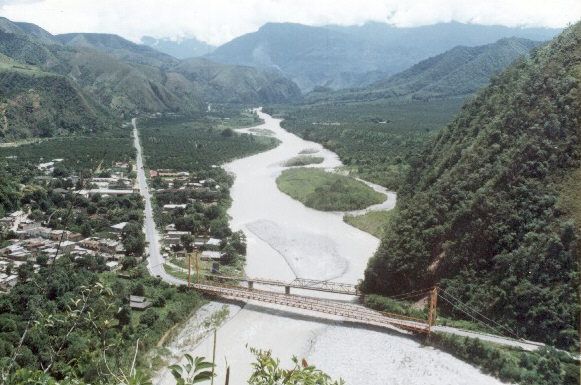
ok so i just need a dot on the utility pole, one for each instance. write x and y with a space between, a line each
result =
214 357
432 309
197 267
189 268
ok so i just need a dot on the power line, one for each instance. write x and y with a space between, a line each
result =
478 313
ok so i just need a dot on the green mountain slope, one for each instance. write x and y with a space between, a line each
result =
38 103
488 211
231 84
342 57
458 72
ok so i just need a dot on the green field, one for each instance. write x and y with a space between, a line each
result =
374 222
303 160
326 191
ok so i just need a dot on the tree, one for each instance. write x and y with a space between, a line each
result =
149 317
139 289
124 315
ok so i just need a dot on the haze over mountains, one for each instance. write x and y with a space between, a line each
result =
181 49
105 76
460 71
342 57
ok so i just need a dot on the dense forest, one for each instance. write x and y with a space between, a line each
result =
488 209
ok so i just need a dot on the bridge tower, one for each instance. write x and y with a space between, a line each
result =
432 309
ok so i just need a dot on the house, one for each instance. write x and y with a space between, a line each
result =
170 227
138 302
118 228
174 207
208 255
174 237
214 242
67 247
28 224
112 265
7 282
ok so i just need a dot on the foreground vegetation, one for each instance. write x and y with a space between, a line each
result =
375 140
70 317
325 191
486 210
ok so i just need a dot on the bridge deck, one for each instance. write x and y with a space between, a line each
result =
349 311
298 283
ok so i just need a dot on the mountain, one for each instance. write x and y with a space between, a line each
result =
458 72
118 47
490 210
181 49
103 77
224 83
342 57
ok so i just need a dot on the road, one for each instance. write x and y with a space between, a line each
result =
155 260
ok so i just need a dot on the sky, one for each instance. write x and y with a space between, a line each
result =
219 21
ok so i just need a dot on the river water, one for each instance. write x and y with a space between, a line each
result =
288 240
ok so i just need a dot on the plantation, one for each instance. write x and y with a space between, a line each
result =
195 145
325 191
376 140
78 153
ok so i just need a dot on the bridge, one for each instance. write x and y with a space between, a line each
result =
349 311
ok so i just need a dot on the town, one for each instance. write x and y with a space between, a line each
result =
101 217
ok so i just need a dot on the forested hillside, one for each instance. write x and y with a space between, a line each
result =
490 210
458 72
38 103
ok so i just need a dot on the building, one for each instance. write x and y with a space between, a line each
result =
107 246
214 242
174 207
118 228
138 302
175 237
208 255
7 282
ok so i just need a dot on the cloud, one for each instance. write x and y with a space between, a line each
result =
218 21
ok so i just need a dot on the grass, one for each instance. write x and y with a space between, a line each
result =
326 191
303 160
374 222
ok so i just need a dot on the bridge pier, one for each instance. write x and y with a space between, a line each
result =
287 289
250 285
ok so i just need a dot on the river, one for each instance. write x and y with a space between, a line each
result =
288 240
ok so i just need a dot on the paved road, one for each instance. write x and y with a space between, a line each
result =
155 260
